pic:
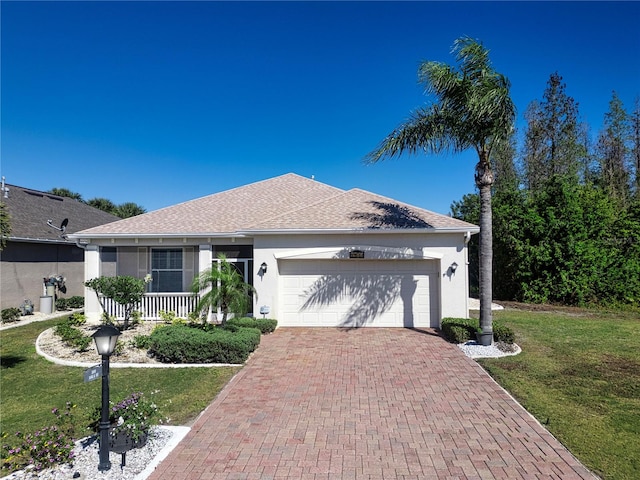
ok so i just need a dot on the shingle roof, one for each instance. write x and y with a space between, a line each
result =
287 202
30 210
359 209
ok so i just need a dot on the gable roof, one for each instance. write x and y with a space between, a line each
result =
29 211
288 202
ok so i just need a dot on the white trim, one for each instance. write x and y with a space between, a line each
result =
282 231
372 252
351 231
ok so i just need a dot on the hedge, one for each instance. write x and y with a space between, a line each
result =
461 330
265 325
184 344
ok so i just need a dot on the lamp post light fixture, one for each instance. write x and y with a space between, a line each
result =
105 338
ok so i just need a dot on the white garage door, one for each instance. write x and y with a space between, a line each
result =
355 293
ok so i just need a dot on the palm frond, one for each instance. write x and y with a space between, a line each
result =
429 129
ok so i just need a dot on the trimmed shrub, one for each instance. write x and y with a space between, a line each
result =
75 302
459 330
265 325
502 333
184 344
62 304
11 314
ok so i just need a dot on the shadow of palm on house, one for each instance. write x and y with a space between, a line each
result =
369 296
391 215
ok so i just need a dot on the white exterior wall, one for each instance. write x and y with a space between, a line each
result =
92 269
446 248
451 248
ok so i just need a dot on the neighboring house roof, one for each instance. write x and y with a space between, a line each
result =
29 211
287 202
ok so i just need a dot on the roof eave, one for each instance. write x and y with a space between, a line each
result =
100 236
38 240
312 231
473 229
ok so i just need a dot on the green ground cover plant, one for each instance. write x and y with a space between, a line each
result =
579 375
30 386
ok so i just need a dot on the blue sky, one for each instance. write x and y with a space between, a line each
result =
162 102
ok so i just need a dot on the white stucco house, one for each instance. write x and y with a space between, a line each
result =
316 255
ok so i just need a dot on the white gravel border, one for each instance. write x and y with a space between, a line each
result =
178 434
474 350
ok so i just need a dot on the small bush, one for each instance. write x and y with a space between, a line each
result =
142 342
503 334
62 304
265 325
459 330
77 319
71 336
119 349
171 318
11 314
184 344
75 302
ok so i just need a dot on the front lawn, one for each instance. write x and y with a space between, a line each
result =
30 386
579 375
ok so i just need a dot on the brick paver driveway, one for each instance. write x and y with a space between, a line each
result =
369 403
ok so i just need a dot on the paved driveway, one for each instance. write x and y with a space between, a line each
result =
368 403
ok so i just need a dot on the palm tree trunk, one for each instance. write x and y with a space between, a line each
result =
484 181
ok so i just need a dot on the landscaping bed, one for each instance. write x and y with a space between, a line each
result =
160 343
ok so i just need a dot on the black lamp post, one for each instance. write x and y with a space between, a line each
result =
105 337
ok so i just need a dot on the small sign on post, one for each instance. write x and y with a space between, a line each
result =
92 373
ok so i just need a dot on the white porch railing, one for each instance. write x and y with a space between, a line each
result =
153 303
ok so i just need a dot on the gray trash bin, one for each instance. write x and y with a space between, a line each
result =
46 305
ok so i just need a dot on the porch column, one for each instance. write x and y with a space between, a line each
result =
92 308
205 257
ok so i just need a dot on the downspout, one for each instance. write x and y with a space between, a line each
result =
83 246
467 239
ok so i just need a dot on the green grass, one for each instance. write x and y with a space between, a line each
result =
30 386
579 375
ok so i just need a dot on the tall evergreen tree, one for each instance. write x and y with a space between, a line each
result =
552 139
474 110
635 146
503 160
613 152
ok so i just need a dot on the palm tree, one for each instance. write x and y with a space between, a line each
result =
474 110
128 209
103 204
223 287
